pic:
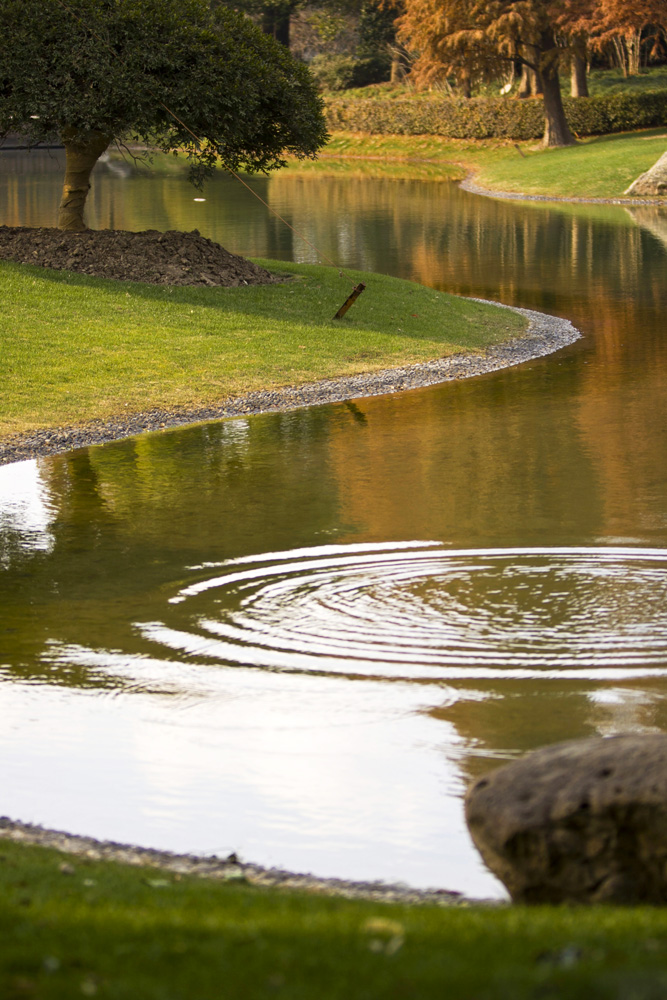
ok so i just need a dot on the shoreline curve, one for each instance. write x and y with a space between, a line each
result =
545 335
230 869
468 184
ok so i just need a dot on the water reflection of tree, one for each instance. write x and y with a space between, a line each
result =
500 720
589 263
443 237
580 261
491 460
130 518
568 451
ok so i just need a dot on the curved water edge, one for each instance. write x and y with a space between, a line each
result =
551 473
231 869
545 335
472 187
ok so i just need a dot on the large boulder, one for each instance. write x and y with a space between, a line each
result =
583 821
653 182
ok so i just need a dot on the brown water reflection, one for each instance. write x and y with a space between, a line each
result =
554 464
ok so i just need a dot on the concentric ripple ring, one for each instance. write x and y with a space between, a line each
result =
422 610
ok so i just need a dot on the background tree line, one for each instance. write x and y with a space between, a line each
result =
462 45
459 44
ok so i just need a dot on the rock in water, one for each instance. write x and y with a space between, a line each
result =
581 822
653 182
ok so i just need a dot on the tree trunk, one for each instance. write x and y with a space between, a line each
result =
557 131
397 68
276 22
81 155
619 48
634 48
529 85
579 79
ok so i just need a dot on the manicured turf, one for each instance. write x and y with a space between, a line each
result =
72 927
75 348
600 167
612 81
600 81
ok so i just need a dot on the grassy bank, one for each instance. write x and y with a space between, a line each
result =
601 167
600 81
73 927
77 348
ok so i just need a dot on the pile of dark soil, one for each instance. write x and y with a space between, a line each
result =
171 258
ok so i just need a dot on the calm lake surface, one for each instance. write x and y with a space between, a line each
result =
299 636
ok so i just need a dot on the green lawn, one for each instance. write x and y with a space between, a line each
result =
612 81
72 927
599 167
76 348
600 81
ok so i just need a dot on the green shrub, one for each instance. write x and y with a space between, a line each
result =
343 72
616 112
495 118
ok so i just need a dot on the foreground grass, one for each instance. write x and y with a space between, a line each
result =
76 348
72 927
600 167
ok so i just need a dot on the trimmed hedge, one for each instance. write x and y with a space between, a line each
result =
495 118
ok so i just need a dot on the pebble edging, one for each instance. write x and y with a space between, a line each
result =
230 869
468 184
545 334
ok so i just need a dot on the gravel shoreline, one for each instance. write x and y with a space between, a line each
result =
468 184
230 869
545 334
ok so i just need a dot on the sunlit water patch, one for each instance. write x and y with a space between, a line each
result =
323 708
421 610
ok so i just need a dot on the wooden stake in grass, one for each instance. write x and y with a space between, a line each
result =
352 297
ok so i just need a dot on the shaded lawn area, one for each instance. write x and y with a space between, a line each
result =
75 927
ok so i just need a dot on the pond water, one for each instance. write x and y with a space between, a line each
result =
298 636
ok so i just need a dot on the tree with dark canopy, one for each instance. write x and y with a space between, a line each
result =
174 75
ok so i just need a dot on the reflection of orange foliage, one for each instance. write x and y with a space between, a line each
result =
430 270
489 458
617 421
498 460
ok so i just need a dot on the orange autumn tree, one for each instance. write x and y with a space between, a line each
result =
619 27
422 26
479 37
574 24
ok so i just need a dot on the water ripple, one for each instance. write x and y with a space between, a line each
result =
421 610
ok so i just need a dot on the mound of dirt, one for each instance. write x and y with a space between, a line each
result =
171 258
